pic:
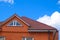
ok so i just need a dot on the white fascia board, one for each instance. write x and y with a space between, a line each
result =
41 30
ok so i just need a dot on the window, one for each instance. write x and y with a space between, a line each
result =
15 23
2 38
29 38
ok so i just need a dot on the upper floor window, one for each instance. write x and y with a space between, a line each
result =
2 38
28 38
14 23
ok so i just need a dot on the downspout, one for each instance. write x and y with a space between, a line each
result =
48 35
54 34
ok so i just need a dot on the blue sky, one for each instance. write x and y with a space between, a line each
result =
30 8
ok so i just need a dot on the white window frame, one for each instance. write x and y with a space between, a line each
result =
26 38
15 23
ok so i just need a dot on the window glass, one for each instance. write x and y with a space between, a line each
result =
1 38
15 23
28 38
11 24
23 38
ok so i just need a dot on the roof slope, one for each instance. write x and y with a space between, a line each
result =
37 25
31 23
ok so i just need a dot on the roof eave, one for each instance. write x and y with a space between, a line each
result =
46 30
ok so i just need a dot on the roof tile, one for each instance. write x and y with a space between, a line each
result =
36 25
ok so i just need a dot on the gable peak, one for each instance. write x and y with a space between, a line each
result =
15 14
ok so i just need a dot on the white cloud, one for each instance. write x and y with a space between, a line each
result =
53 20
7 1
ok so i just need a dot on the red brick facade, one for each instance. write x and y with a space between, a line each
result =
18 32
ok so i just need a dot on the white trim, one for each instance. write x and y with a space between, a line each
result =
32 38
25 38
41 30
13 23
4 38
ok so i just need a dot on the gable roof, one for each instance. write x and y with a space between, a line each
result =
33 25
15 15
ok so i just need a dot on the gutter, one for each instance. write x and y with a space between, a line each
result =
48 35
54 32
40 30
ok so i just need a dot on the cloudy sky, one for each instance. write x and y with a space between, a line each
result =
45 11
30 8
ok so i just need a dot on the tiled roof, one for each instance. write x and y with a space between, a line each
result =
37 25
32 23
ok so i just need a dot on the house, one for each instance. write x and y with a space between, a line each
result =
23 28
